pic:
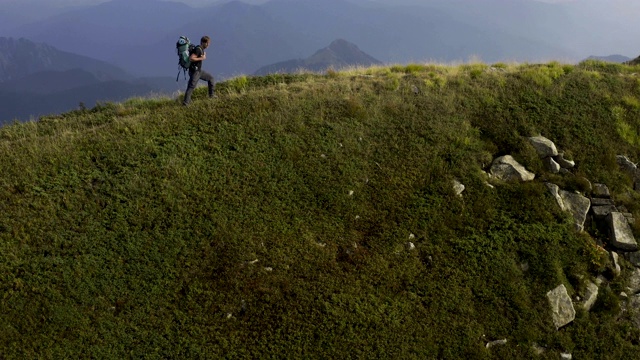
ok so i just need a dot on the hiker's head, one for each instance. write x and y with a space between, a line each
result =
205 41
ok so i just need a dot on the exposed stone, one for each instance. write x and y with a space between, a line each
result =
458 188
601 191
506 168
634 282
566 356
543 146
601 212
620 232
555 191
596 201
496 342
537 349
577 205
626 164
564 163
631 168
551 165
590 296
615 261
633 258
561 306
564 171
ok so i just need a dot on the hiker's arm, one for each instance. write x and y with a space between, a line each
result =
194 57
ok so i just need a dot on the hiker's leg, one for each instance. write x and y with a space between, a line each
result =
205 76
194 76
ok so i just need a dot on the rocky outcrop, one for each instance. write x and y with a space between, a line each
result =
595 207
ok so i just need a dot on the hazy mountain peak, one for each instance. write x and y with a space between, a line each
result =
339 54
21 57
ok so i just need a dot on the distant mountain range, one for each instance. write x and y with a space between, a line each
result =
22 57
248 37
38 79
339 54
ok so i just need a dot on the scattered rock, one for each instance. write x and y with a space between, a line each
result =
601 191
410 246
562 308
458 188
620 234
590 296
577 204
615 262
634 282
601 212
506 168
598 201
496 342
543 146
566 356
626 164
551 165
564 163
633 258
537 349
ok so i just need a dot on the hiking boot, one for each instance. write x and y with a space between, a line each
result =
214 96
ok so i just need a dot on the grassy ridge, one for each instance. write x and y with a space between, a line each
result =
274 221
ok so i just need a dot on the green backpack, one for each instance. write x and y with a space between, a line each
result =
184 48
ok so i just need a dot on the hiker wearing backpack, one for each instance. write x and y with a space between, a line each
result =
196 56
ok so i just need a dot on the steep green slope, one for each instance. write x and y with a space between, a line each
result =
274 222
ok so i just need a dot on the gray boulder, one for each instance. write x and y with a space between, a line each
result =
458 188
601 212
576 204
506 168
543 146
620 232
590 296
601 191
564 163
634 282
562 308
551 165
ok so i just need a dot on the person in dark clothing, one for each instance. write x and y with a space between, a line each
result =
195 70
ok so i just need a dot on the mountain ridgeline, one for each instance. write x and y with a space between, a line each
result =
338 55
37 79
364 213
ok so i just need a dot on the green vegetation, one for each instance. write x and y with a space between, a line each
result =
273 222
